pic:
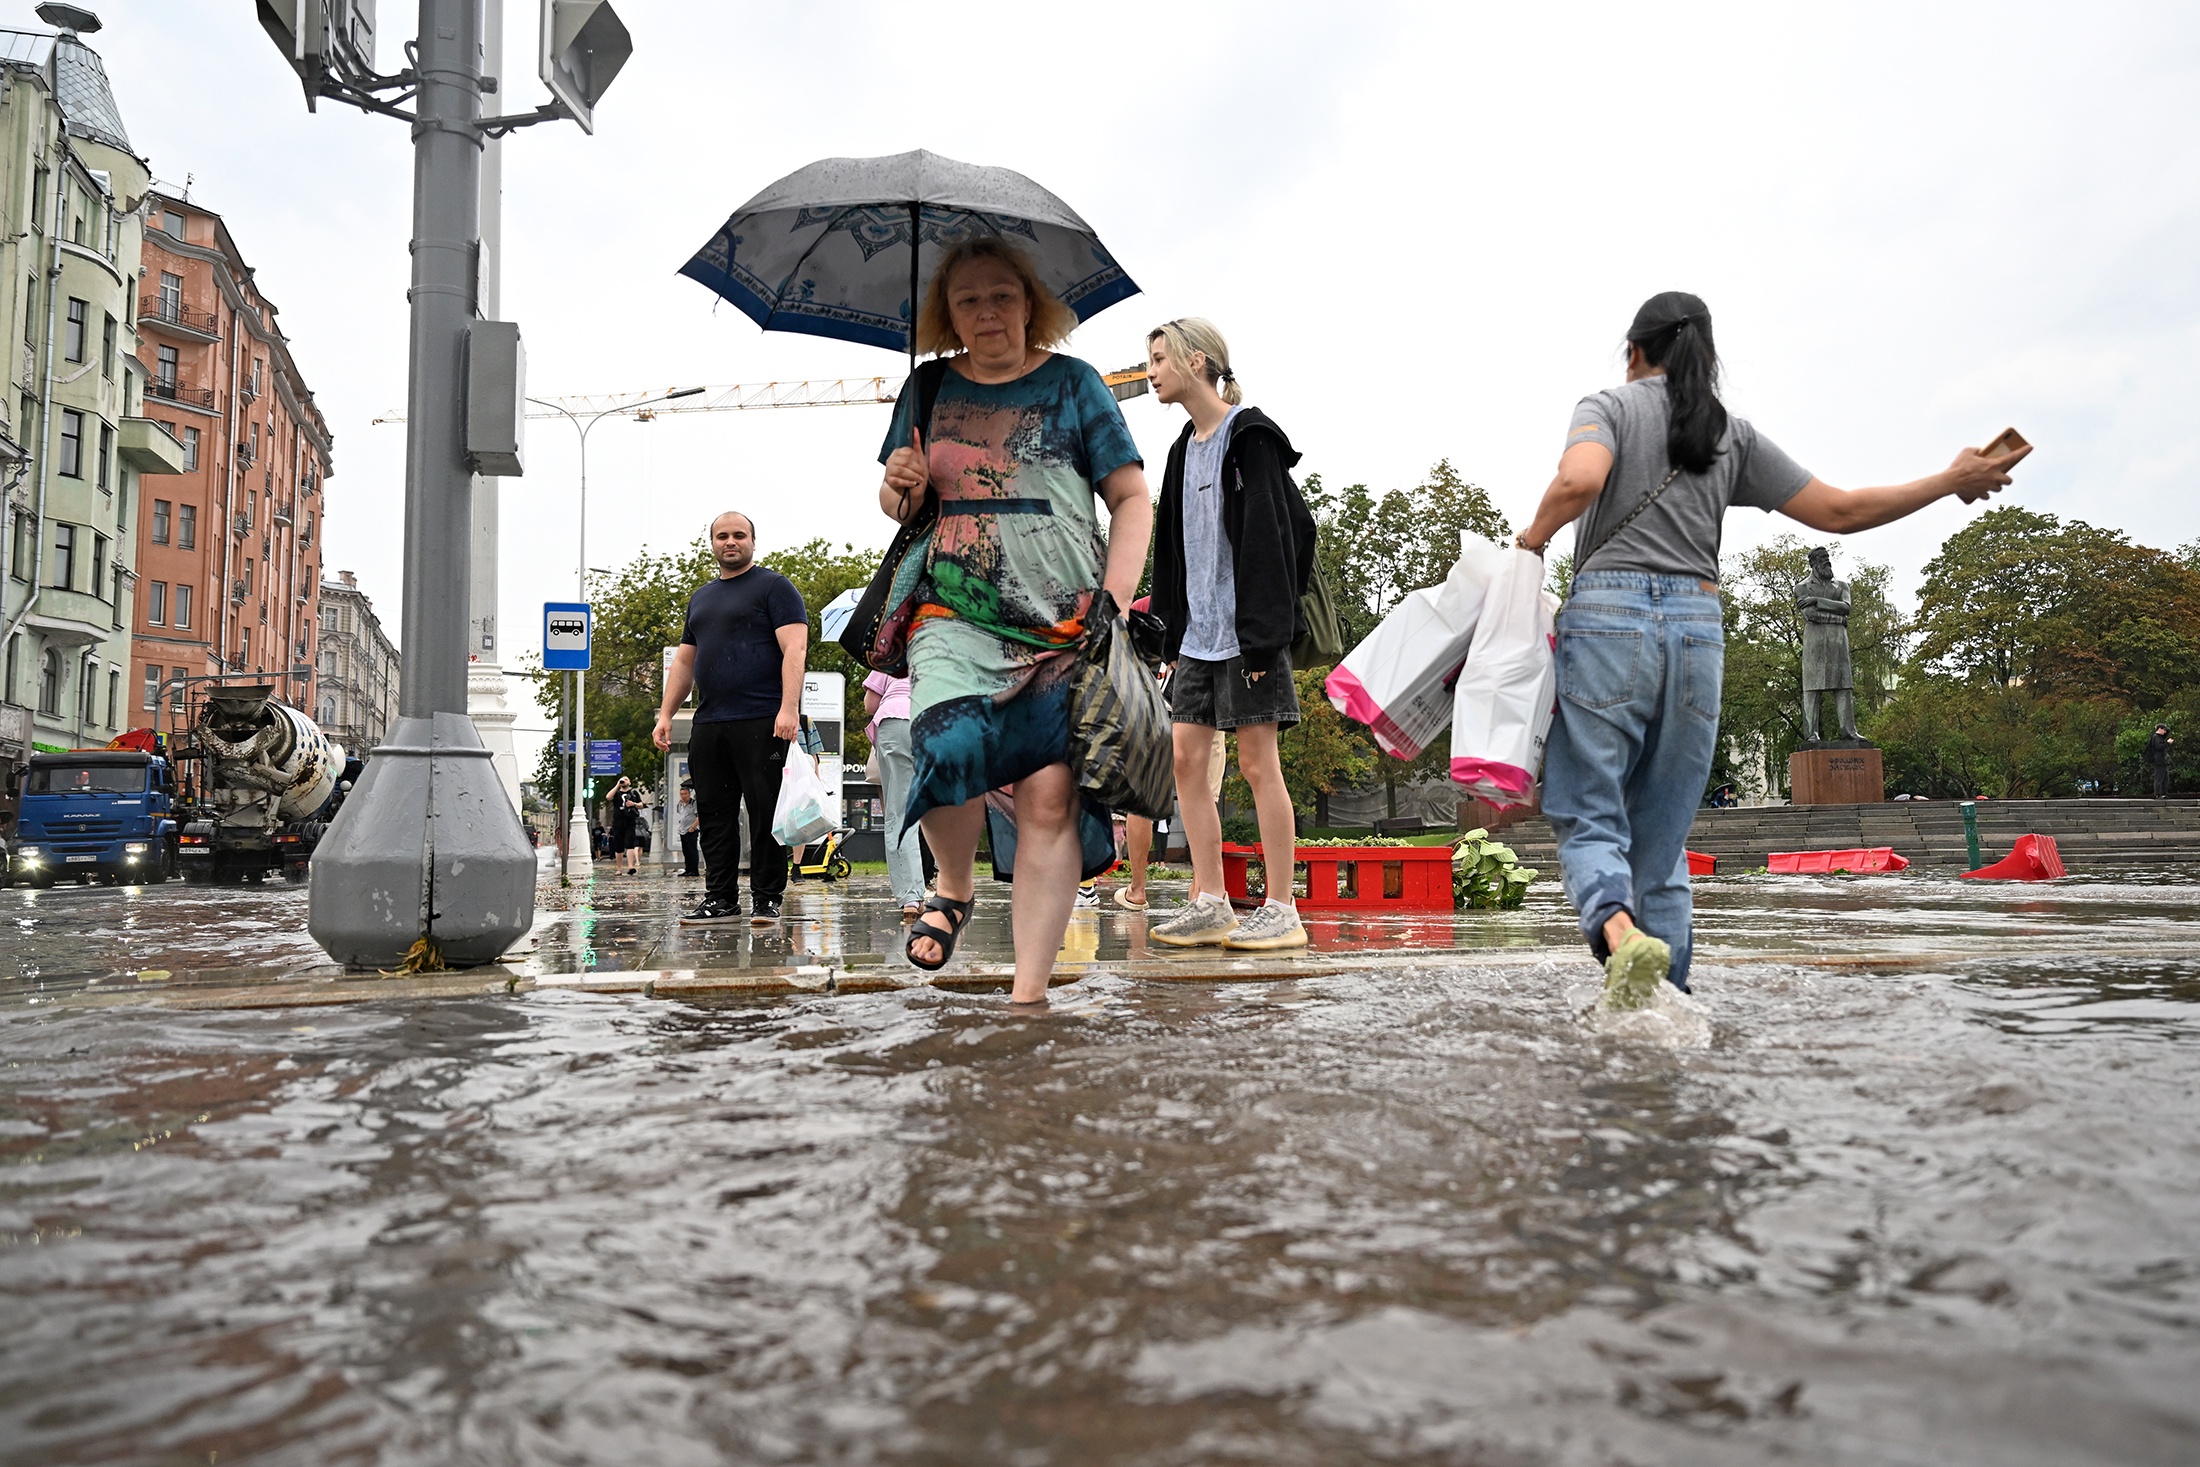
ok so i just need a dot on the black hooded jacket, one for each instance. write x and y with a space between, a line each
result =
1271 535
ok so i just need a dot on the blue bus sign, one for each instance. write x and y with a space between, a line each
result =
605 756
566 630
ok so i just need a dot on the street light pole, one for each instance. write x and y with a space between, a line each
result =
577 825
426 865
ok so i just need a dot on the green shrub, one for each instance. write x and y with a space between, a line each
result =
1486 874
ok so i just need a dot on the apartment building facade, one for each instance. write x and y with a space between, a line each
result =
355 699
229 550
77 442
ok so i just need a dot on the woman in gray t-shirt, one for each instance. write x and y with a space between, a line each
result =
1647 475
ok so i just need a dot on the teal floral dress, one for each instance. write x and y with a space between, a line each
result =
1014 563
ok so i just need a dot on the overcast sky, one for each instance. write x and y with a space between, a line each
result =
1423 229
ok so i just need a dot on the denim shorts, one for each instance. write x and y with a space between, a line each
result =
1217 694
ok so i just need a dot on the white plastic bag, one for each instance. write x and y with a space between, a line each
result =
1398 681
1508 688
801 814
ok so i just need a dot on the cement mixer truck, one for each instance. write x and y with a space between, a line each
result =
260 784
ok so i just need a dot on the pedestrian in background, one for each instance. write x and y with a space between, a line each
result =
886 700
1649 470
689 824
626 811
1022 442
1233 550
743 651
2158 756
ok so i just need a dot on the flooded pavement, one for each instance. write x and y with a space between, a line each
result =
1944 1209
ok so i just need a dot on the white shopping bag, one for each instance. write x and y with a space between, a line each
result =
801 814
1398 681
1508 688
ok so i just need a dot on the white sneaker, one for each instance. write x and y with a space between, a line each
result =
1273 926
1088 895
1203 923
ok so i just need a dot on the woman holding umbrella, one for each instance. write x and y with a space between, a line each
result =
1021 442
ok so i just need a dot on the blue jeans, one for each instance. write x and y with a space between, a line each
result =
1640 658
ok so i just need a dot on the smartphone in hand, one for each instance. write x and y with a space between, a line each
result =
2009 442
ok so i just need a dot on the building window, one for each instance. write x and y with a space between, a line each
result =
176 685
160 522
99 566
107 348
190 449
187 515
244 645
156 603
152 686
72 443
183 605
106 453
164 369
49 684
7 689
87 692
114 697
248 578
171 296
20 556
73 339
64 556
172 219
30 310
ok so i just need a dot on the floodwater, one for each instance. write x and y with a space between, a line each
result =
1943 1213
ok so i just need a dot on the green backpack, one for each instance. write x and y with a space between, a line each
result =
1322 643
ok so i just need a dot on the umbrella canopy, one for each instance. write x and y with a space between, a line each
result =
837 248
833 620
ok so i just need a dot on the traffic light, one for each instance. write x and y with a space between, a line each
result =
584 43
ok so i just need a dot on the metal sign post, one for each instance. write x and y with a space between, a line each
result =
568 645
430 865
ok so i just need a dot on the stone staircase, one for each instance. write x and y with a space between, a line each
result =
2089 833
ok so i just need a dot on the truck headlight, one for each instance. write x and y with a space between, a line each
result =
29 853
134 848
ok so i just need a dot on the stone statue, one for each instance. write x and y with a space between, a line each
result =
1824 603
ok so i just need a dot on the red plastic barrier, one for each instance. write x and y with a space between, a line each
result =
1862 860
1358 878
2032 858
1700 864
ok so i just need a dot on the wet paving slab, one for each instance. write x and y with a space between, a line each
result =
1922 1186
206 946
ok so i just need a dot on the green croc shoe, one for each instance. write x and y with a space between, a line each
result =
1635 969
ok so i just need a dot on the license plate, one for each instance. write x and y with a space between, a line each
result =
80 858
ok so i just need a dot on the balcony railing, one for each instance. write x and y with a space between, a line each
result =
242 527
176 313
282 515
248 391
246 453
200 396
236 593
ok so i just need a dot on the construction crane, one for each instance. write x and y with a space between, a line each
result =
741 397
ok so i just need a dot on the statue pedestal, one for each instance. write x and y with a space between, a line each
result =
1836 773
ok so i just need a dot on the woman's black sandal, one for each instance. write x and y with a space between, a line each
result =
957 913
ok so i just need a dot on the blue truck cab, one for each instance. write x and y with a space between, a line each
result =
95 812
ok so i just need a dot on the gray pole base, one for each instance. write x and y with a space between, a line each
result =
427 845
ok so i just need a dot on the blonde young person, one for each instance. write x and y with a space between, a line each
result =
1233 549
1023 446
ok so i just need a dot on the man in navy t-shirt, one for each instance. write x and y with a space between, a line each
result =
743 651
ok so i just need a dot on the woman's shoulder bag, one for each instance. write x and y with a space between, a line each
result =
877 634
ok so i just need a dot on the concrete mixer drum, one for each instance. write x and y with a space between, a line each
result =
267 762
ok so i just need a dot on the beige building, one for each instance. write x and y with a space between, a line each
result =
355 689
74 437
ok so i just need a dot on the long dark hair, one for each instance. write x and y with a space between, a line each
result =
1674 331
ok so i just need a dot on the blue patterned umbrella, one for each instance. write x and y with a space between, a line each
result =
837 248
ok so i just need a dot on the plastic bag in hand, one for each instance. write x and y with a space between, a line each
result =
1508 688
802 813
